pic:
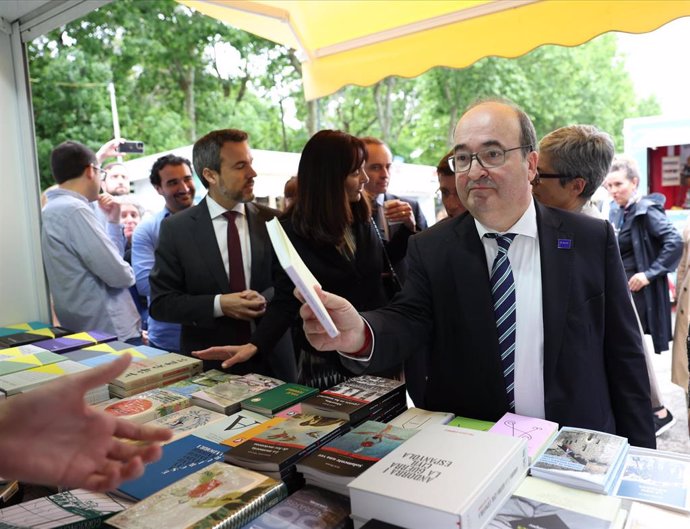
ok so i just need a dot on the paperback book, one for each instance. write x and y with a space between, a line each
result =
28 379
338 462
103 353
281 446
472 424
273 400
541 504
75 509
20 350
158 370
21 363
657 477
584 459
356 399
442 477
195 386
219 495
180 459
308 508
229 427
74 341
32 336
645 516
148 406
418 418
187 421
22 327
227 396
537 432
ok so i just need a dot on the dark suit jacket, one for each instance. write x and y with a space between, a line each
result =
188 273
594 368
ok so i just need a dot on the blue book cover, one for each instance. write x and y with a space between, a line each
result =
180 458
75 341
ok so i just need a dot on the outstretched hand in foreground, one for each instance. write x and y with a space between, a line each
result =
346 318
50 436
230 354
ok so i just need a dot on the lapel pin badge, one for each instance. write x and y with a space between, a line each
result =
565 244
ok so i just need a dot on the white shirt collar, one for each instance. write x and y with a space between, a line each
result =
526 225
216 210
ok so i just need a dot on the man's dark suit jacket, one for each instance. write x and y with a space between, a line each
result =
594 368
189 272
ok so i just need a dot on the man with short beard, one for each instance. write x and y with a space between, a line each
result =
213 262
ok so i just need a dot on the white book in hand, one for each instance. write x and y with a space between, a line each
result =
300 275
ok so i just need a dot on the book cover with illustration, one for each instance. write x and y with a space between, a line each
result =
230 427
148 406
656 476
21 363
273 400
584 459
32 336
219 495
356 398
339 461
537 432
20 350
187 420
74 508
442 477
17 328
417 418
180 458
227 396
28 379
282 445
103 353
74 341
308 508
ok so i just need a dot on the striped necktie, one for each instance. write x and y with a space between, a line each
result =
503 294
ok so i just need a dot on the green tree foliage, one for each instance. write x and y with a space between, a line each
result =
179 74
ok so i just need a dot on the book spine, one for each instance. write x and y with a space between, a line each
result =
251 510
499 487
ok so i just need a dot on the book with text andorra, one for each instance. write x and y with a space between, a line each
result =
32 336
442 477
418 418
537 432
187 420
231 426
584 459
180 458
74 509
281 446
217 496
339 461
273 400
148 405
227 396
300 274
541 504
70 342
308 508
656 476
151 370
355 399
106 352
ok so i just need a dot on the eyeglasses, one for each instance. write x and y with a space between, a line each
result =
101 172
545 176
461 161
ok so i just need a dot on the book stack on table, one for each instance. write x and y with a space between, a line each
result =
147 406
70 342
103 353
28 333
226 397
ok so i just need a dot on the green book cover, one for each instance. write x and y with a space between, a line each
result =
472 424
21 363
276 399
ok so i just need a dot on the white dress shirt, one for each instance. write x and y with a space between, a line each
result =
524 257
220 227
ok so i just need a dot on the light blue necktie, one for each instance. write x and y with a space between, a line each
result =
503 294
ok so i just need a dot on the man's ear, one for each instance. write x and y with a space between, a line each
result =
532 160
578 185
209 175
159 189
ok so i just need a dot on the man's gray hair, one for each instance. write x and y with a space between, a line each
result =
581 151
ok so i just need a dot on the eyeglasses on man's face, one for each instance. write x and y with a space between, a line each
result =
546 176
102 173
488 158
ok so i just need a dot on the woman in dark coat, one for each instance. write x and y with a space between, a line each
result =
330 226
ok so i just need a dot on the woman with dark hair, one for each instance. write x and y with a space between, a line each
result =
330 226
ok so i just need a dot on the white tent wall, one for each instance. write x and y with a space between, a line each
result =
23 289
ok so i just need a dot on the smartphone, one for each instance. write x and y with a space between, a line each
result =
136 147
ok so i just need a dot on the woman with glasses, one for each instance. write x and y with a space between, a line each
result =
330 226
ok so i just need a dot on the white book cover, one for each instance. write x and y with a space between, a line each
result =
418 418
148 406
186 421
643 516
300 275
443 477
230 426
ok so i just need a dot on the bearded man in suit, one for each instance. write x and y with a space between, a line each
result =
559 349
212 271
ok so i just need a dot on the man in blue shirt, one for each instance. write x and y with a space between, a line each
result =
172 177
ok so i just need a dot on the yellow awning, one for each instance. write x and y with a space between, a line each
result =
363 41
